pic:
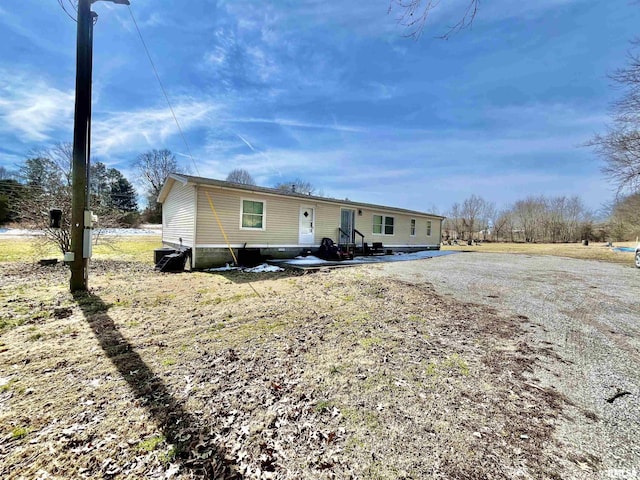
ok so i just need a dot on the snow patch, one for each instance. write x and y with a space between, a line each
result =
308 260
396 257
263 268
226 268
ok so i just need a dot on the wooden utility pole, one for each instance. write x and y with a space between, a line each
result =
79 264
80 214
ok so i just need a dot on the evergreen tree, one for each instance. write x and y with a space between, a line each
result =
10 194
122 194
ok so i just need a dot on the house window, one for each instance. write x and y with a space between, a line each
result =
377 224
382 225
413 227
388 225
428 228
252 215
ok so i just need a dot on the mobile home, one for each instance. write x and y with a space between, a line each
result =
213 217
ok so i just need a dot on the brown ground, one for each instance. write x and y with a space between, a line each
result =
337 374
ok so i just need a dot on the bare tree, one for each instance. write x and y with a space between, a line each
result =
414 14
240 175
620 146
486 219
474 214
530 213
551 219
5 174
454 222
57 168
500 219
562 218
504 226
296 186
625 218
575 217
154 166
46 186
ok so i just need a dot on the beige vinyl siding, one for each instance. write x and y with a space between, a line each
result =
178 214
327 221
436 231
401 228
281 218
421 231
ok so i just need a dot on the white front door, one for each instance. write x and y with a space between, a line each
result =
307 224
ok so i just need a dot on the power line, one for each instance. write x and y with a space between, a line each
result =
164 92
61 3
175 118
184 139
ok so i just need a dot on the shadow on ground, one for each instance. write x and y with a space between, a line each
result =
196 449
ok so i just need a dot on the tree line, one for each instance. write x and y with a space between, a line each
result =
45 178
42 183
541 219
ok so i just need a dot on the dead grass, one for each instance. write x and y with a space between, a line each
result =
593 251
330 375
137 248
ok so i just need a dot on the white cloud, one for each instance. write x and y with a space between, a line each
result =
234 58
123 131
31 109
123 17
507 9
299 124
381 91
261 64
373 19
359 18
215 57
411 167
548 115
24 27
154 20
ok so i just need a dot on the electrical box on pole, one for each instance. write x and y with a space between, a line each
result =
89 218
55 218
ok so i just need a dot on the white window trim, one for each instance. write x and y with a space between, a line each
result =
264 214
429 228
384 217
413 223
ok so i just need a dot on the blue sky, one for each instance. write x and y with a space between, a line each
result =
332 92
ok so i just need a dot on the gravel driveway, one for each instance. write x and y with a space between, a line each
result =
588 313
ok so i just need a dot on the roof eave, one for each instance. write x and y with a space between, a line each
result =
210 182
168 183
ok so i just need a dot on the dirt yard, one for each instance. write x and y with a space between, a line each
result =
587 313
348 373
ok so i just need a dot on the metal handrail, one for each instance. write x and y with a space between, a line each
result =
342 233
361 238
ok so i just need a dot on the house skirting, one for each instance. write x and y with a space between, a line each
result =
207 256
